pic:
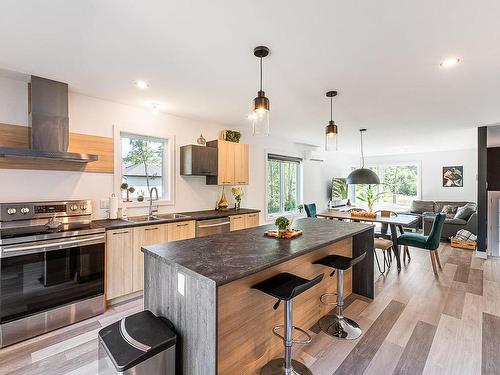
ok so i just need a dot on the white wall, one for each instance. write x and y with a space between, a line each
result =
432 164
96 116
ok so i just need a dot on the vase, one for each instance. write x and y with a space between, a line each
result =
237 204
223 205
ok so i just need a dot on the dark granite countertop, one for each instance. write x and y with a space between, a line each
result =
110 224
230 256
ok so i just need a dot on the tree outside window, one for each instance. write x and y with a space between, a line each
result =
142 164
283 184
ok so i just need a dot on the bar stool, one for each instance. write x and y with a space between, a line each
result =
285 287
385 246
338 325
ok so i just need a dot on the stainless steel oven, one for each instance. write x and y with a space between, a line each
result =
51 275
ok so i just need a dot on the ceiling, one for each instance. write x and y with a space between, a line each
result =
382 56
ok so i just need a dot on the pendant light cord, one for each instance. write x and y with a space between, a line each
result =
362 153
331 108
261 74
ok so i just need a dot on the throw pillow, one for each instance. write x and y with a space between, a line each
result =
449 211
464 212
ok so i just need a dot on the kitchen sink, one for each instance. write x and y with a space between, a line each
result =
142 219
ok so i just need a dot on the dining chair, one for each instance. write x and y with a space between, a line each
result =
383 233
430 242
310 209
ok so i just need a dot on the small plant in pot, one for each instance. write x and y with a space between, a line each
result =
282 223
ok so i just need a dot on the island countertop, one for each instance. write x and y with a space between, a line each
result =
230 256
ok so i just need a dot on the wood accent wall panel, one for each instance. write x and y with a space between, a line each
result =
246 316
18 136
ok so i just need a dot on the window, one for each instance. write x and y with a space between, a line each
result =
400 184
283 184
143 165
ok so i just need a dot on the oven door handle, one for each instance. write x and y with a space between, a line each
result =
49 246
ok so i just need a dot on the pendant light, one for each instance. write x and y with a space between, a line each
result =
260 110
331 130
363 176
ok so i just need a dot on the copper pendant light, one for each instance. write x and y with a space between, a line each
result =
331 130
261 105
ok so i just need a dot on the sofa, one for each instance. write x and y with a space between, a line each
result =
427 210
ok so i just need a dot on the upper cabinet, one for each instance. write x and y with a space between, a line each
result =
198 161
232 163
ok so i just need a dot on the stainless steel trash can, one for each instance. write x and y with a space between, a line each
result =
140 344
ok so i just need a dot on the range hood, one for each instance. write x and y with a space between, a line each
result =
48 124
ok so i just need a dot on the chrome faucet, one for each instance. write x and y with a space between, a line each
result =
152 211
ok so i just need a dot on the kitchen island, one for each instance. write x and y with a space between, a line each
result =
203 286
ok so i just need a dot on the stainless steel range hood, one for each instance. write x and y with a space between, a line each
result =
48 123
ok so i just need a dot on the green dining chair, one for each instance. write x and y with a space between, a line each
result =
430 242
310 209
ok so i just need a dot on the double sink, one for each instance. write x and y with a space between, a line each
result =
163 217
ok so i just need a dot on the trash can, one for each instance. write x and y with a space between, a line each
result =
140 344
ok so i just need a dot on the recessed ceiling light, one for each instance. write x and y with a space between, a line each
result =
140 84
449 62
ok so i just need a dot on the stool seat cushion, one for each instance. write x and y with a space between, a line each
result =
286 286
339 262
413 239
382 243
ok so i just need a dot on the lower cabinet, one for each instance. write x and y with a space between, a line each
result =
118 262
143 236
181 231
125 260
238 222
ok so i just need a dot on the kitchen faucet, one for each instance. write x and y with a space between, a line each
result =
152 211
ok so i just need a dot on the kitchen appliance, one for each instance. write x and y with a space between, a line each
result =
49 124
51 267
212 226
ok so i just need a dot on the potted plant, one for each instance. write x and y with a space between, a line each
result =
369 195
300 207
237 194
128 189
282 223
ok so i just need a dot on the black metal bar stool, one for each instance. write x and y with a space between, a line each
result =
338 325
285 287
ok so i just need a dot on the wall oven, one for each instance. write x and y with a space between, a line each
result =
51 269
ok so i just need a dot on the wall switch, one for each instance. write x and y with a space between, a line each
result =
181 284
104 204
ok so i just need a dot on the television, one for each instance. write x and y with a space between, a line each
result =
340 191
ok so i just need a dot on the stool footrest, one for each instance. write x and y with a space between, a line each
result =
325 296
307 340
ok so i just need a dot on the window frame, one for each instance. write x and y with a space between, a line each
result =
418 164
168 165
300 166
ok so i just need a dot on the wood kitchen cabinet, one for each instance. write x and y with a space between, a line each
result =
232 163
237 222
252 220
118 262
143 236
243 221
181 231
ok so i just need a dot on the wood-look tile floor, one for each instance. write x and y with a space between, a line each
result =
417 324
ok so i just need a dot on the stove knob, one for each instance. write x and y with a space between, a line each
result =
25 210
73 207
83 207
11 211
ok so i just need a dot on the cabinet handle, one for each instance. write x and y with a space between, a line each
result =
124 232
155 228
182 225
242 183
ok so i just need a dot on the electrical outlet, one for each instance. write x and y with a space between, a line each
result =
104 204
181 284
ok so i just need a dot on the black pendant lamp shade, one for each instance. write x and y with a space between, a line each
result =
331 129
363 176
261 106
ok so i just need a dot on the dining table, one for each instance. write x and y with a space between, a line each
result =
394 222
